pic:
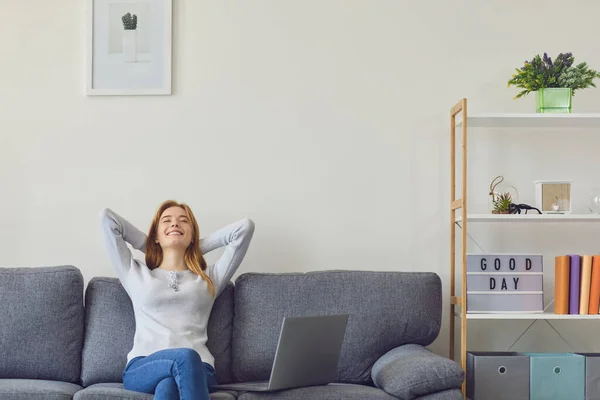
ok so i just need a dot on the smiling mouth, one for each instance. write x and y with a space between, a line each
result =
174 234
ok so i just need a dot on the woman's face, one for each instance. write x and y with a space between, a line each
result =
174 228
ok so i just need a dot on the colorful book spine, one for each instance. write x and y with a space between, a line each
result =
595 286
574 284
561 284
586 277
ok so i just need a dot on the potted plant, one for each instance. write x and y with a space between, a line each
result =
554 82
502 203
129 37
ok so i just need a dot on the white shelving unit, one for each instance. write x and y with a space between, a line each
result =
459 118
583 120
531 217
532 316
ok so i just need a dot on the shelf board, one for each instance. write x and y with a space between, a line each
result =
532 217
532 120
544 315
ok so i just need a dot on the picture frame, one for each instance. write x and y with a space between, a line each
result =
553 196
129 47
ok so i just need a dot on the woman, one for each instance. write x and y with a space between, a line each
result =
172 295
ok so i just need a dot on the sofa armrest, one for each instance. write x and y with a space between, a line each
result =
411 370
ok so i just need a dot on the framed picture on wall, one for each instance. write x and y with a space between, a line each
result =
128 47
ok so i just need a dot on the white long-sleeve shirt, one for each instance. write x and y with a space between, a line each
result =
172 308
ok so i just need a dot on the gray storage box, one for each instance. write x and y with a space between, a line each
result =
497 376
592 375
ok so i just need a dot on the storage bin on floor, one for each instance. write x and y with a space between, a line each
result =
497 375
557 376
592 375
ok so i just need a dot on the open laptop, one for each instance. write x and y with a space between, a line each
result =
307 354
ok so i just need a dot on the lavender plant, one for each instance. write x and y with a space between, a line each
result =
129 21
541 72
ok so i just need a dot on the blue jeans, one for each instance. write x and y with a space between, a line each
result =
170 374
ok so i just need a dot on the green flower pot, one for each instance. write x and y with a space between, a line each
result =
553 100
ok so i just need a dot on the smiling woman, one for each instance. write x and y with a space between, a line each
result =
172 295
170 242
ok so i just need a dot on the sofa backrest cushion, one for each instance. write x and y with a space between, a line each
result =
110 327
386 310
41 323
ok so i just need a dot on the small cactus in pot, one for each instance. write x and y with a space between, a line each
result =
502 203
129 21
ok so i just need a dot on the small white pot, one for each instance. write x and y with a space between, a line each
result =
130 45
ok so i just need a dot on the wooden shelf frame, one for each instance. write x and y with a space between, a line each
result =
455 205
458 303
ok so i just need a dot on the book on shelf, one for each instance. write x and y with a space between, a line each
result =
595 286
574 284
584 289
561 284
577 284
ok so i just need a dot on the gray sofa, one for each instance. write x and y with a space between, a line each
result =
60 340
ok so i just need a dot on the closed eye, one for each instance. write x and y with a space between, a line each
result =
182 219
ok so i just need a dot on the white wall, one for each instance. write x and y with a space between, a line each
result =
325 121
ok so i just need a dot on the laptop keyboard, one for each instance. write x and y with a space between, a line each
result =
250 385
256 384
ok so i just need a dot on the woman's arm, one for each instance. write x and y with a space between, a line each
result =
117 232
236 237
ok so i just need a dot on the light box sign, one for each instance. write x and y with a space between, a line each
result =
504 283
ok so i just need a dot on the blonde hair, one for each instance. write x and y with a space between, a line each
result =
194 259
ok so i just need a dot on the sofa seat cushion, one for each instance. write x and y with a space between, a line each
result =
27 389
453 394
115 391
41 323
332 391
